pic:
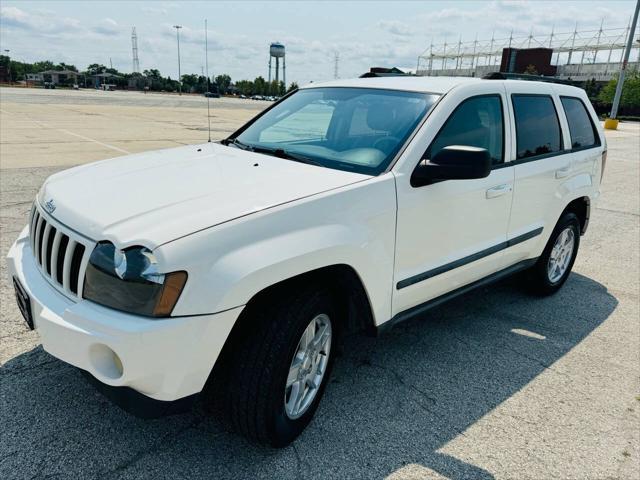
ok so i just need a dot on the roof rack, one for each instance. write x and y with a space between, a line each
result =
385 72
526 76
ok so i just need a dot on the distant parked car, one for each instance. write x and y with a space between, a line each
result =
212 94
50 85
257 97
243 96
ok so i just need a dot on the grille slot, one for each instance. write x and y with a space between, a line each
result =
78 253
39 234
60 254
62 249
52 235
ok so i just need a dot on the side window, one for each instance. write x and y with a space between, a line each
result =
583 133
476 122
537 126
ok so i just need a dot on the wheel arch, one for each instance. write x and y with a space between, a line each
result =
346 286
581 207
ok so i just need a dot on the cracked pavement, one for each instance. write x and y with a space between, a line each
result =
497 384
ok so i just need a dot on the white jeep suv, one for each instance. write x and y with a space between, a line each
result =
232 269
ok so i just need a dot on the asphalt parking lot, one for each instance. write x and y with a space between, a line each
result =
498 384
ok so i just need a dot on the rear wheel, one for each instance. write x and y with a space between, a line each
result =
554 265
277 372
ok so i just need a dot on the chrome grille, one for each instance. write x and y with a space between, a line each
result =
60 253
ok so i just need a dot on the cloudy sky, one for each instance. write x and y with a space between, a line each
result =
389 33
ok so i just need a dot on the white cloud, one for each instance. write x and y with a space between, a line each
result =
154 10
396 27
107 26
16 18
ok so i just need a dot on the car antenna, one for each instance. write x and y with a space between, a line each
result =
206 57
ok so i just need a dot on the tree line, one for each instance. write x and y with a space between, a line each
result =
150 79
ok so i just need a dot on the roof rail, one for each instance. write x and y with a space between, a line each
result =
526 76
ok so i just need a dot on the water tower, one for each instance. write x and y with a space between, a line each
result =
276 50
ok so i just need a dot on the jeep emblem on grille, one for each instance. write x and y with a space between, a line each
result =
50 206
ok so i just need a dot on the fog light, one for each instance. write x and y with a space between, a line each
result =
105 361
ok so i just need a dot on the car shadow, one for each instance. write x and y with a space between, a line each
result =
393 401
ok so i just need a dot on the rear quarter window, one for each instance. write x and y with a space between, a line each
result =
537 126
581 128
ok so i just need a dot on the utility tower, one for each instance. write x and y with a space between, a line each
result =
336 61
134 47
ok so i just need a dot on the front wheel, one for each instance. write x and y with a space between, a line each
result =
278 371
554 265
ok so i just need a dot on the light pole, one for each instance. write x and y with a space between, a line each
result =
613 123
178 27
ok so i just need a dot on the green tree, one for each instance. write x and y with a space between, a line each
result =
260 86
189 82
292 87
42 66
96 68
592 88
223 81
153 74
630 90
65 66
245 87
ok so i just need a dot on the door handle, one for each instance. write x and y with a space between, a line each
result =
499 190
563 172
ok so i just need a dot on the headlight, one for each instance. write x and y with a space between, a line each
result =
129 280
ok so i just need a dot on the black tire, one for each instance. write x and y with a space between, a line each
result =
538 277
251 395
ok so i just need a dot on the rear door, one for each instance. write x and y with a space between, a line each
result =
584 138
542 163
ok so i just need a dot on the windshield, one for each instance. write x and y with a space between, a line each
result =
355 129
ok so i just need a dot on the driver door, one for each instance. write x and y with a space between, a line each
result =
452 233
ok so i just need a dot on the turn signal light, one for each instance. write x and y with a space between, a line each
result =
171 290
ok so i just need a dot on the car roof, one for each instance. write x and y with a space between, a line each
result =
408 83
439 85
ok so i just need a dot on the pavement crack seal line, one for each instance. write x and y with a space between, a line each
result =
411 386
299 462
117 149
610 210
154 448
73 134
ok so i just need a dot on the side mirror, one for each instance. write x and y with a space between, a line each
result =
455 162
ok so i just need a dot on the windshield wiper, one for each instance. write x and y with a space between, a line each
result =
276 152
296 157
238 144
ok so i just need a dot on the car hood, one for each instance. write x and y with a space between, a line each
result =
152 198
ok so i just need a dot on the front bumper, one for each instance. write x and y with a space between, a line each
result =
163 359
